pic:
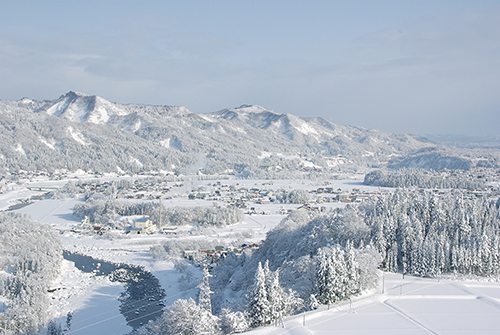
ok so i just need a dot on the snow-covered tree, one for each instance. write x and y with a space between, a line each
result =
268 301
292 302
233 322
312 303
324 278
54 329
351 279
204 292
337 275
259 309
294 197
339 281
184 317
31 253
275 296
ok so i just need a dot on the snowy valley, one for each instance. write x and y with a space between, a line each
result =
135 219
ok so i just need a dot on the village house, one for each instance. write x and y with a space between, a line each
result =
143 226
169 230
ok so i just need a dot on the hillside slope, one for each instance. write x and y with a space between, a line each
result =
78 131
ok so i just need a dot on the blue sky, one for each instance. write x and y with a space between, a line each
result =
422 67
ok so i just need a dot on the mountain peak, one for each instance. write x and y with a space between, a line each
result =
250 109
76 93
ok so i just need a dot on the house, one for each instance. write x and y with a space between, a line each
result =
197 196
143 226
308 207
251 246
344 196
189 253
169 230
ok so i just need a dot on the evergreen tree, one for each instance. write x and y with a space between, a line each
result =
338 280
268 301
336 275
204 292
323 278
351 271
54 329
258 308
276 297
392 258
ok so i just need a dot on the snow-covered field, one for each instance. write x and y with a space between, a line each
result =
400 306
409 306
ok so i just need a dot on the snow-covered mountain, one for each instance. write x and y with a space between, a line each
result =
78 131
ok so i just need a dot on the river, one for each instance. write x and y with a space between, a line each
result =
143 297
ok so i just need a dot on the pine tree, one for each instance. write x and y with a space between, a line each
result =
334 282
351 271
204 300
338 278
323 276
259 309
275 297
379 238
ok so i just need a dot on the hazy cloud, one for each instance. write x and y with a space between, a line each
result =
434 73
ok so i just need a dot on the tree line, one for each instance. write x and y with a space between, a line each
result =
413 177
102 209
425 234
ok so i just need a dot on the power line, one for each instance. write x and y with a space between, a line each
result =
128 304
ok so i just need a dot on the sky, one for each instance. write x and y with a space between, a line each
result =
419 67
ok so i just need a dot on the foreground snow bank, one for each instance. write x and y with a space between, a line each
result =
409 306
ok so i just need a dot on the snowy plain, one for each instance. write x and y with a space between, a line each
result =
399 306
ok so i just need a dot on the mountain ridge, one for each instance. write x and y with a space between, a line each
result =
90 133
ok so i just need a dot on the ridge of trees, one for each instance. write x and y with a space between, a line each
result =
414 177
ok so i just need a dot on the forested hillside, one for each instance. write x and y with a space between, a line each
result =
313 258
77 131
30 258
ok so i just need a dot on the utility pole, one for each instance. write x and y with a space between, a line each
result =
160 214
383 282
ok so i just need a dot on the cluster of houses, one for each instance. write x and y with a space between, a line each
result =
240 197
232 195
140 188
148 189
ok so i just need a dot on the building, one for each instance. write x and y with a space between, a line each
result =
143 226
